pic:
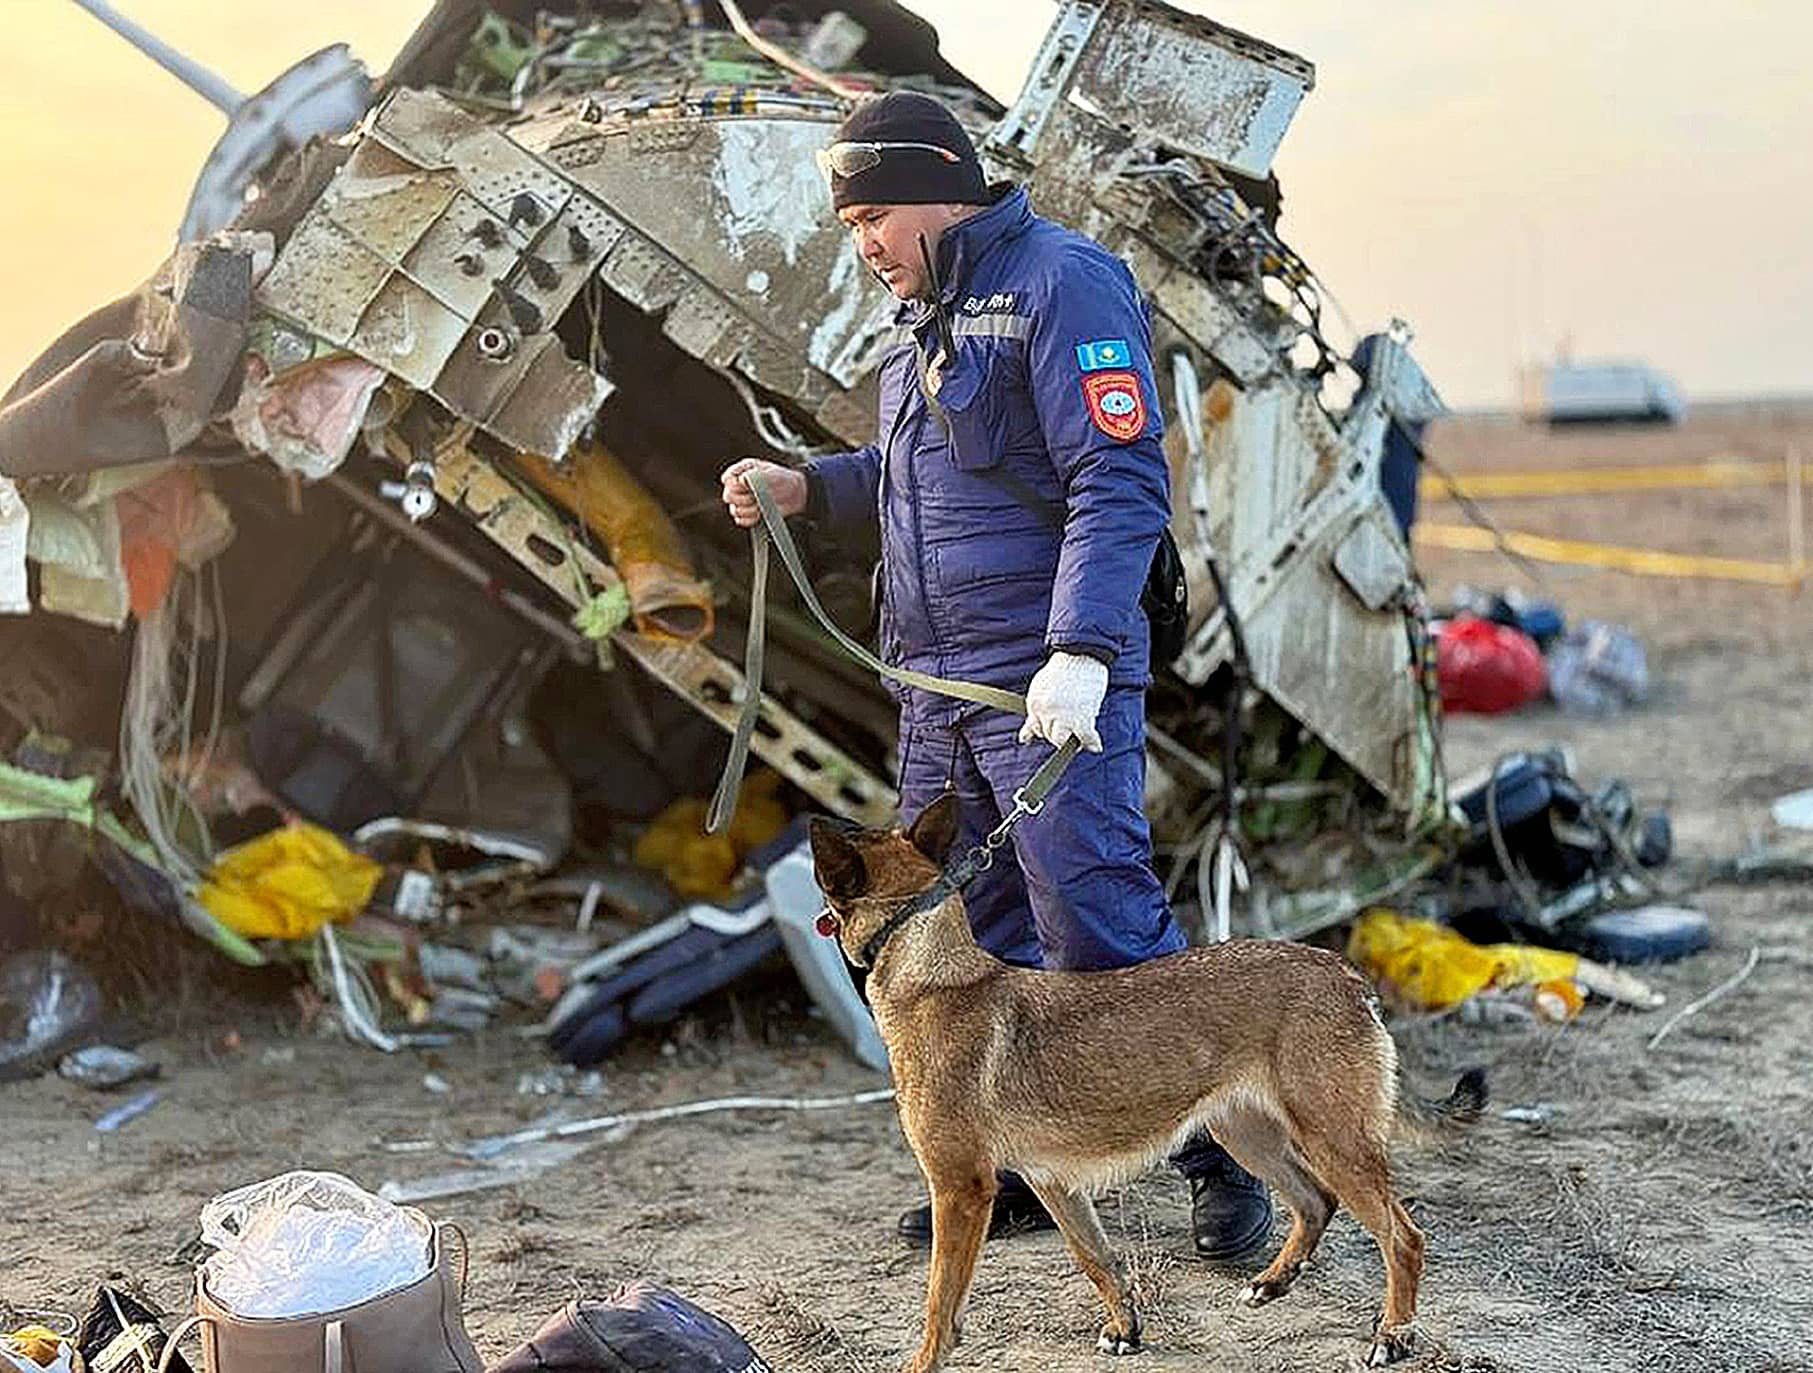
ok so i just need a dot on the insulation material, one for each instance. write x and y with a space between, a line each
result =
701 866
305 419
85 575
666 595
15 529
171 521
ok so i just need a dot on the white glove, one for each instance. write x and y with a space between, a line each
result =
1063 700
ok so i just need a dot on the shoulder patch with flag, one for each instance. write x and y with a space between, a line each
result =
1103 353
1116 404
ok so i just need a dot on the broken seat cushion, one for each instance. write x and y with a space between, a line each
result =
641 1329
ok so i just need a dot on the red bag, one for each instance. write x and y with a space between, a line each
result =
1487 668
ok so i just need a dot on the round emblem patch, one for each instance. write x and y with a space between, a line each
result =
1117 405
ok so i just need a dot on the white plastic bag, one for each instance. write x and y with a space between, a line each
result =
306 1243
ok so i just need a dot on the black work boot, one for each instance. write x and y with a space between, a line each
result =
1230 1210
1017 1212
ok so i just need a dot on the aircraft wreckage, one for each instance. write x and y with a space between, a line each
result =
493 342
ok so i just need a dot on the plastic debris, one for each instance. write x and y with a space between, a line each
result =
1794 811
1487 668
1537 1113
289 883
526 1163
1420 965
46 1001
1647 934
666 596
127 1112
102 1067
36 1349
563 1079
701 865
306 1242
1598 669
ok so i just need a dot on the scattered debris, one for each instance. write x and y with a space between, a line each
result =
495 1145
1794 811
1487 668
530 1162
123 1115
46 1001
104 1067
1598 669
1419 965
1539 1113
1702 1002
562 1080
118 1333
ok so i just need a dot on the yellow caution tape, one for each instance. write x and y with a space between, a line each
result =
1576 482
1644 562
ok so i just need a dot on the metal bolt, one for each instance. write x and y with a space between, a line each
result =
524 312
493 343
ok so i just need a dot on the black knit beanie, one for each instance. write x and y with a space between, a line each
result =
909 176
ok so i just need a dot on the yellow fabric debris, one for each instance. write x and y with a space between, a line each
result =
36 1344
704 866
1425 966
289 883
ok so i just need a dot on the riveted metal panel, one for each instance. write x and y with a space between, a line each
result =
324 278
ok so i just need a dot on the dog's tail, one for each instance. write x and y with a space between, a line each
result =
1463 1106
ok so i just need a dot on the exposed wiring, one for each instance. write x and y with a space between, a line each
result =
778 55
771 426
497 1144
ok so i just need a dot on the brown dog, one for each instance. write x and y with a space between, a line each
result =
1082 1080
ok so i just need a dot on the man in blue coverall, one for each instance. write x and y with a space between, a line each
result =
1021 489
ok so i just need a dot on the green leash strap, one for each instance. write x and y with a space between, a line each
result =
773 529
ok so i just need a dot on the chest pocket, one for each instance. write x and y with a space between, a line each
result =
964 398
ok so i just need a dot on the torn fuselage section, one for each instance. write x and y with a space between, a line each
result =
568 266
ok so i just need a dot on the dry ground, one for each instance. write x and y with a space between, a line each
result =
1660 1220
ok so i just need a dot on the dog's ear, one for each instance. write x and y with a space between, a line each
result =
836 862
935 829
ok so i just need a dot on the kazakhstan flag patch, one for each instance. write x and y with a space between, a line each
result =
1103 354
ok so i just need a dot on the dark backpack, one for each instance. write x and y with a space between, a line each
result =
1166 595
642 1329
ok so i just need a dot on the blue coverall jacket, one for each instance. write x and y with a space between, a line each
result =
983 577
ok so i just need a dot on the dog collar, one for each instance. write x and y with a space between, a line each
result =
950 881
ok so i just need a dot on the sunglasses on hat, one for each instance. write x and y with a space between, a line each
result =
852 159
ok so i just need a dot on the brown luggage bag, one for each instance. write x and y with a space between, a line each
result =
413 1329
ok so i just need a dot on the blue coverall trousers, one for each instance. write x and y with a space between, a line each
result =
1082 895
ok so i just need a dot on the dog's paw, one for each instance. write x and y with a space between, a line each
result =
1259 1292
1388 1346
1112 1341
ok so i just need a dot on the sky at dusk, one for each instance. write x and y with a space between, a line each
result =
1623 178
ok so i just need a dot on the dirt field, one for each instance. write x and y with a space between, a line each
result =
1661 1219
